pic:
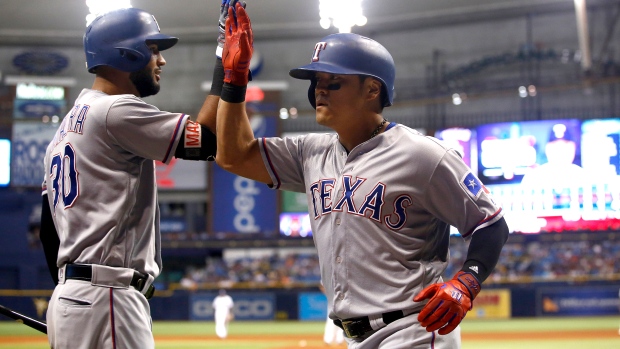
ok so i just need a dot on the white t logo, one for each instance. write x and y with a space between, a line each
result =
317 48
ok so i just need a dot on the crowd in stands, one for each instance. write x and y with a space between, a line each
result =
532 261
538 261
292 270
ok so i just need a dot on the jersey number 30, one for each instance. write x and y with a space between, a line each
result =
64 177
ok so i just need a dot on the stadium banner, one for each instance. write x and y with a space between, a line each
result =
578 301
243 205
247 306
32 306
35 109
30 140
181 174
312 306
491 304
294 202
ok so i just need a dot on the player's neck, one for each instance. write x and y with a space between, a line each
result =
114 84
351 137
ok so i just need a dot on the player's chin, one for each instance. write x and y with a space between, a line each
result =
322 116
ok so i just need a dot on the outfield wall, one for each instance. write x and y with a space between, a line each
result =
544 300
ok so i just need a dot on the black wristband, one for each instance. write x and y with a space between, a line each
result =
218 78
233 93
476 268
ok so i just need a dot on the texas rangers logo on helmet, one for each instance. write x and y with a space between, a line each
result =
317 49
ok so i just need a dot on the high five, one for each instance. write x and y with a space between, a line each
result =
382 196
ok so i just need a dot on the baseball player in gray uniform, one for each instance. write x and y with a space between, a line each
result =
100 219
381 196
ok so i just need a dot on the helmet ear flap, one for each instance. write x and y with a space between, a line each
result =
132 60
130 55
311 93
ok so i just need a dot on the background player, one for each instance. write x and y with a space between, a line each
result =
100 219
332 333
223 313
382 196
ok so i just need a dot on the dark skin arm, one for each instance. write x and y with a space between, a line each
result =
208 111
49 238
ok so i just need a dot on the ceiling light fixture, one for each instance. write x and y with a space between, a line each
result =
342 14
99 7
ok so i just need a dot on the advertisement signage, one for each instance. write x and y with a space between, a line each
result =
247 306
312 306
243 205
181 174
491 304
30 141
578 301
294 202
23 108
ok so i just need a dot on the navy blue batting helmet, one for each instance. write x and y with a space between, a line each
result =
350 54
120 39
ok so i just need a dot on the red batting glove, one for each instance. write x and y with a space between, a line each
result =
449 302
238 47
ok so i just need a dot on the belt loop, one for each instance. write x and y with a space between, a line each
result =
376 321
62 271
148 282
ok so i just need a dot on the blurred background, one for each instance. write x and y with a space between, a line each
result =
527 90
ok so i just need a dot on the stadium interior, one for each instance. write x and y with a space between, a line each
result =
490 77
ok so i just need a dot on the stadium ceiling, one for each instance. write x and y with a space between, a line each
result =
62 22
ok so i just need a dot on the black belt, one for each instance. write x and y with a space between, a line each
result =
358 326
85 272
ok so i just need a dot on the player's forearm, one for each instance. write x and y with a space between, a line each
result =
235 138
485 248
208 112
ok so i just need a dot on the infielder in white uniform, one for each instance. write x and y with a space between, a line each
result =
223 313
100 219
381 196
332 333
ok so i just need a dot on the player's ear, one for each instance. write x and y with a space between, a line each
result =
372 88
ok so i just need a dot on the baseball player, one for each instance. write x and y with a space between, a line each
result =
332 334
100 219
381 196
223 313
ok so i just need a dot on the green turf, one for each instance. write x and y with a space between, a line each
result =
314 332
556 344
542 324
239 327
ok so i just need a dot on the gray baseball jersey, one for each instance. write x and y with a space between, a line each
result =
100 180
380 215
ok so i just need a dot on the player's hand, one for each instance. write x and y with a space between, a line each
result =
238 47
221 38
449 302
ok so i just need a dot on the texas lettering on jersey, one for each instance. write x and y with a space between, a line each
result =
73 123
323 201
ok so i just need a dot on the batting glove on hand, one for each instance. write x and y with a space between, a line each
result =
221 38
449 302
238 47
